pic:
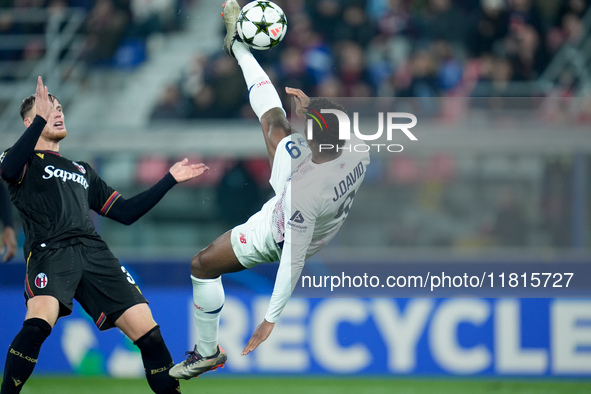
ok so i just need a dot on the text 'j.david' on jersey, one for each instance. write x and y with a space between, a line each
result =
314 199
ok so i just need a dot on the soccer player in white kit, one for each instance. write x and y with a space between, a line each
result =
314 181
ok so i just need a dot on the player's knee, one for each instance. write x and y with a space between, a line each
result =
274 115
275 119
198 266
203 265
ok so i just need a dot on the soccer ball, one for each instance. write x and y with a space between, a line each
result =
261 24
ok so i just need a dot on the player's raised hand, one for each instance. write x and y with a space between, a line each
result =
261 333
43 104
183 171
302 101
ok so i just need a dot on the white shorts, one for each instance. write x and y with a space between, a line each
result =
253 241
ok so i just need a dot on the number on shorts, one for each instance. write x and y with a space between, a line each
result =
129 277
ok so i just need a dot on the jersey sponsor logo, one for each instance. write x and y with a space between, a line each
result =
41 280
64 175
295 223
297 217
242 238
80 167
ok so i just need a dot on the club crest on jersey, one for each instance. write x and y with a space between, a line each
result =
79 167
41 280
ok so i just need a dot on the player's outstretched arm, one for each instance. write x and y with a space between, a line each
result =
261 333
290 268
15 159
127 211
183 171
291 264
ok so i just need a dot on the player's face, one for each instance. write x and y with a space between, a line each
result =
55 129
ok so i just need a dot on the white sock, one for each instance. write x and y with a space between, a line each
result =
208 297
262 93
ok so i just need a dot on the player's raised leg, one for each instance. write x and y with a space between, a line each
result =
219 257
263 96
208 291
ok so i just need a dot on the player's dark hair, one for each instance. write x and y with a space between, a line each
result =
29 102
329 132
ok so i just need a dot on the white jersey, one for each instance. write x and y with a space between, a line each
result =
312 201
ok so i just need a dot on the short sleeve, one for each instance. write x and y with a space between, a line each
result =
100 195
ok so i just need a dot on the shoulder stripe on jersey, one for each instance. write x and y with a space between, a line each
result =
105 209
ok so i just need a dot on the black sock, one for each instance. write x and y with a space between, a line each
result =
157 361
23 353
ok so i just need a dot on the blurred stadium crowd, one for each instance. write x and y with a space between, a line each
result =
349 48
404 48
336 48
109 24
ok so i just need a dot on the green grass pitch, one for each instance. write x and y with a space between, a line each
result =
297 385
